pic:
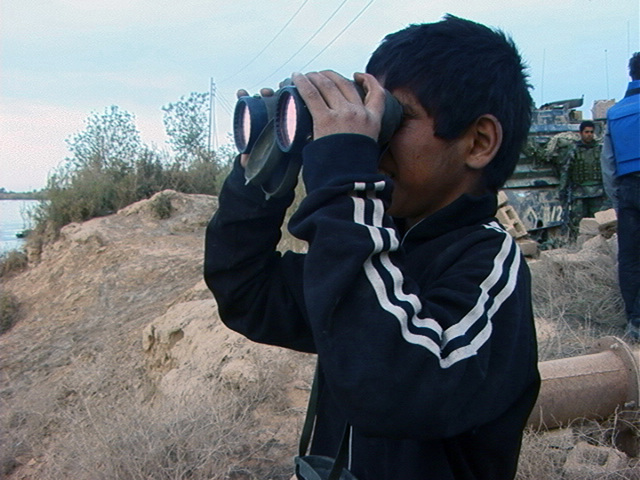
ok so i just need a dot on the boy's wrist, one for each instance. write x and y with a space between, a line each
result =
338 155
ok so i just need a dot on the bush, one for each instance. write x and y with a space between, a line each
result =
77 193
8 311
161 206
578 294
11 262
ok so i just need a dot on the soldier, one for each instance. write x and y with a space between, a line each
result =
581 179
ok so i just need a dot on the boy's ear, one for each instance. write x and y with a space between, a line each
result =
485 136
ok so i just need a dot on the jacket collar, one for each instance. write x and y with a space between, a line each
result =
633 88
465 211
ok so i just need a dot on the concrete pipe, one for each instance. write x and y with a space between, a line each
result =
590 386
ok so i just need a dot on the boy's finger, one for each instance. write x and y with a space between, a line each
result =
344 86
374 92
264 92
309 91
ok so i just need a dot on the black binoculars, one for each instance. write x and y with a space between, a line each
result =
274 130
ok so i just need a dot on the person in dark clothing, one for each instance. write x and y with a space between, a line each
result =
621 171
415 299
581 178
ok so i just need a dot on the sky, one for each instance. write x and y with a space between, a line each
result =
63 60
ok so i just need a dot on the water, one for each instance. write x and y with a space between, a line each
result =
13 219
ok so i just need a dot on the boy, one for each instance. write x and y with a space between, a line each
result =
416 301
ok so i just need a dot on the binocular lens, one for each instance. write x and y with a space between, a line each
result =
273 130
249 119
289 122
243 131
293 121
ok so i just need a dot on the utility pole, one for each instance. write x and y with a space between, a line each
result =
213 134
544 57
606 70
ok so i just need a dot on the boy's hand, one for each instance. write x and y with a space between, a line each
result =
336 106
264 92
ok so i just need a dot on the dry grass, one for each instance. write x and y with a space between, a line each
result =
9 309
544 454
215 436
12 262
540 458
131 434
212 440
576 302
576 295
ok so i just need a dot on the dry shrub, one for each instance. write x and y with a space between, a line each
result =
26 427
220 434
9 308
540 458
544 454
173 440
12 262
161 206
579 295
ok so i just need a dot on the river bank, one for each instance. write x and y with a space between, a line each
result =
35 195
14 220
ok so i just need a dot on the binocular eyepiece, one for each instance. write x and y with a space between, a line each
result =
274 130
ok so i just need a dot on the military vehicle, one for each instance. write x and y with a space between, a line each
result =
532 190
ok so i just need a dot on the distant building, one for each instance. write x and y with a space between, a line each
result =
600 108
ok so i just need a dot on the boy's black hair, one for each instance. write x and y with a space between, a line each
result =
587 123
460 70
634 66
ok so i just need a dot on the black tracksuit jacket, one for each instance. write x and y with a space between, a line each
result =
425 340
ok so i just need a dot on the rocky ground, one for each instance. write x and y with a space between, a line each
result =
119 366
115 312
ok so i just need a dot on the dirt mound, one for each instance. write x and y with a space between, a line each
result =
115 317
119 366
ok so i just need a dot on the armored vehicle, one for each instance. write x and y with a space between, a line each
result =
532 190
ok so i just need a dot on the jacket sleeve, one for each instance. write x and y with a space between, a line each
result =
424 357
258 290
608 167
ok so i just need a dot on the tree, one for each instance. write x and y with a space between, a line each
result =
99 177
187 125
111 168
110 142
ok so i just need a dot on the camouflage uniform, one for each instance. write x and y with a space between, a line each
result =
581 183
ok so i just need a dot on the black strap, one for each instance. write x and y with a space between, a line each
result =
309 420
341 458
307 429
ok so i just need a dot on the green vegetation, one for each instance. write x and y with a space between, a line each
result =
110 168
161 206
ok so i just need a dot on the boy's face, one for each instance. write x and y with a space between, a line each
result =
428 172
